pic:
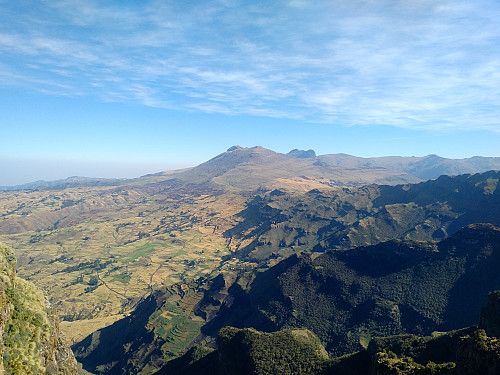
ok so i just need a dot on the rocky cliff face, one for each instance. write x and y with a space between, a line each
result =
31 342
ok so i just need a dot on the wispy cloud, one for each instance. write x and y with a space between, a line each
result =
413 64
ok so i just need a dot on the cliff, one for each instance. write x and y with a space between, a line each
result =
31 342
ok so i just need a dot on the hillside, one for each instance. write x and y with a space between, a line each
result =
100 250
247 352
345 298
386 289
30 340
469 350
161 327
277 224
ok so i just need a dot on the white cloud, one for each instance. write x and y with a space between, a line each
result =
424 64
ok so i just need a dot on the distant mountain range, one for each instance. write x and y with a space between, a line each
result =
74 181
252 168
257 167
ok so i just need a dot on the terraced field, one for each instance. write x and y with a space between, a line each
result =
97 251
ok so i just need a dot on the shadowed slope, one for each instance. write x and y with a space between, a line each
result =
391 288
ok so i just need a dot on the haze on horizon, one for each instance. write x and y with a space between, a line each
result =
121 89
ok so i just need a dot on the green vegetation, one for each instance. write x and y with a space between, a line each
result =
158 330
171 324
180 252
390 363
107 251
30 338
250 352
140 251
386 289
285 352
122 278
26 329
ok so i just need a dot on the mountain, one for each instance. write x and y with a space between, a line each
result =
344 297
425 168
247 352
101 251
247 169
75 181
256 167
465 351
469 350
277 224
302 154
31 342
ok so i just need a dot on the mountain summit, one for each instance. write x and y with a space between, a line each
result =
253 168
301 154
242 168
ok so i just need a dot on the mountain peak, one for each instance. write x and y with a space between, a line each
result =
237 147
302 154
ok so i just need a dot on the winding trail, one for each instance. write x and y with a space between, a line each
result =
107 286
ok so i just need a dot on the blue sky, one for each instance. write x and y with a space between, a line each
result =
124 88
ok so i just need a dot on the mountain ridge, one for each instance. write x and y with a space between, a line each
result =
247 168
342 297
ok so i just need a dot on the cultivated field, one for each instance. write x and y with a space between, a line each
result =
97 251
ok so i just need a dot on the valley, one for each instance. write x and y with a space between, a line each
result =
98 251
157 264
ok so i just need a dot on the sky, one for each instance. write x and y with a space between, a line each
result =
126 88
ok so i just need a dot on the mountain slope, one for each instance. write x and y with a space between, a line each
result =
253 168
30 341
277 224
246 351
345 298
159 329
391 288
